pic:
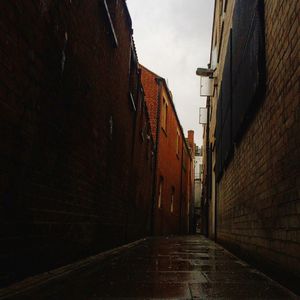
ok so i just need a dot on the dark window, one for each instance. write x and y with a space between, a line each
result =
221 41
225 5
221 8
164 117
219 137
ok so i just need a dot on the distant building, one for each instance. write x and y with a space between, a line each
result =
198 167
173 177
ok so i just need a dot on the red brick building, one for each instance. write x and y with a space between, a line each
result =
76 146
173 179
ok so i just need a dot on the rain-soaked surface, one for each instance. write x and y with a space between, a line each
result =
189 267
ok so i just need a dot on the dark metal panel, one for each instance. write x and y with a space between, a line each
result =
242 78
226 82
219 168
219 138
219 118
247 65
227 145
244 12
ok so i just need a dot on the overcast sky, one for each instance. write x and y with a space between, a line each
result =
172 39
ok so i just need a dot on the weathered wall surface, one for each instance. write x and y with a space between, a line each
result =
68 133
259 193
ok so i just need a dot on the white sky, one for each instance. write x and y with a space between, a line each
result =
172 39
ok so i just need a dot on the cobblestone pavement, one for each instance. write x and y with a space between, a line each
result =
191 267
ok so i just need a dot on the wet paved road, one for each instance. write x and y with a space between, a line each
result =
169 268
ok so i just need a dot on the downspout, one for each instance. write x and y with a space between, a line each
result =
137 96
216 209
181 181
136 88
208 171
154 179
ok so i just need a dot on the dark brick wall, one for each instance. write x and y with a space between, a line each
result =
69 135
259 194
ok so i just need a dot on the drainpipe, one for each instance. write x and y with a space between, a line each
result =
208 179
180 203
216 207
154 179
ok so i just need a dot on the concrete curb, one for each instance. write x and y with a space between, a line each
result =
41 279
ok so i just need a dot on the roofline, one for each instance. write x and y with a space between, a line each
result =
163 80
128 15
143 67
134 50
174 108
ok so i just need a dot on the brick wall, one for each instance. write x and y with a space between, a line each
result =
69 135
173 164
151 91
168 167
259 193
141 178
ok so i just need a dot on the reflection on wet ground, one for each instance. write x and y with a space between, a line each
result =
189 267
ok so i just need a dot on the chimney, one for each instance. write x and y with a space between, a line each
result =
191 141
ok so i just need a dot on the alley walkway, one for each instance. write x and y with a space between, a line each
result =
175 267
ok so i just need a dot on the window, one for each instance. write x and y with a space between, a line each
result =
164 119
221 41
177 142
225 6
111 25
172 200
221 7
184 159
216 36
160 189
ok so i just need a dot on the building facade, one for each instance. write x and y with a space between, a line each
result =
252 142
76 144
173 182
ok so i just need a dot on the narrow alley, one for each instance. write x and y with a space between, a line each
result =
149 149
168 267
